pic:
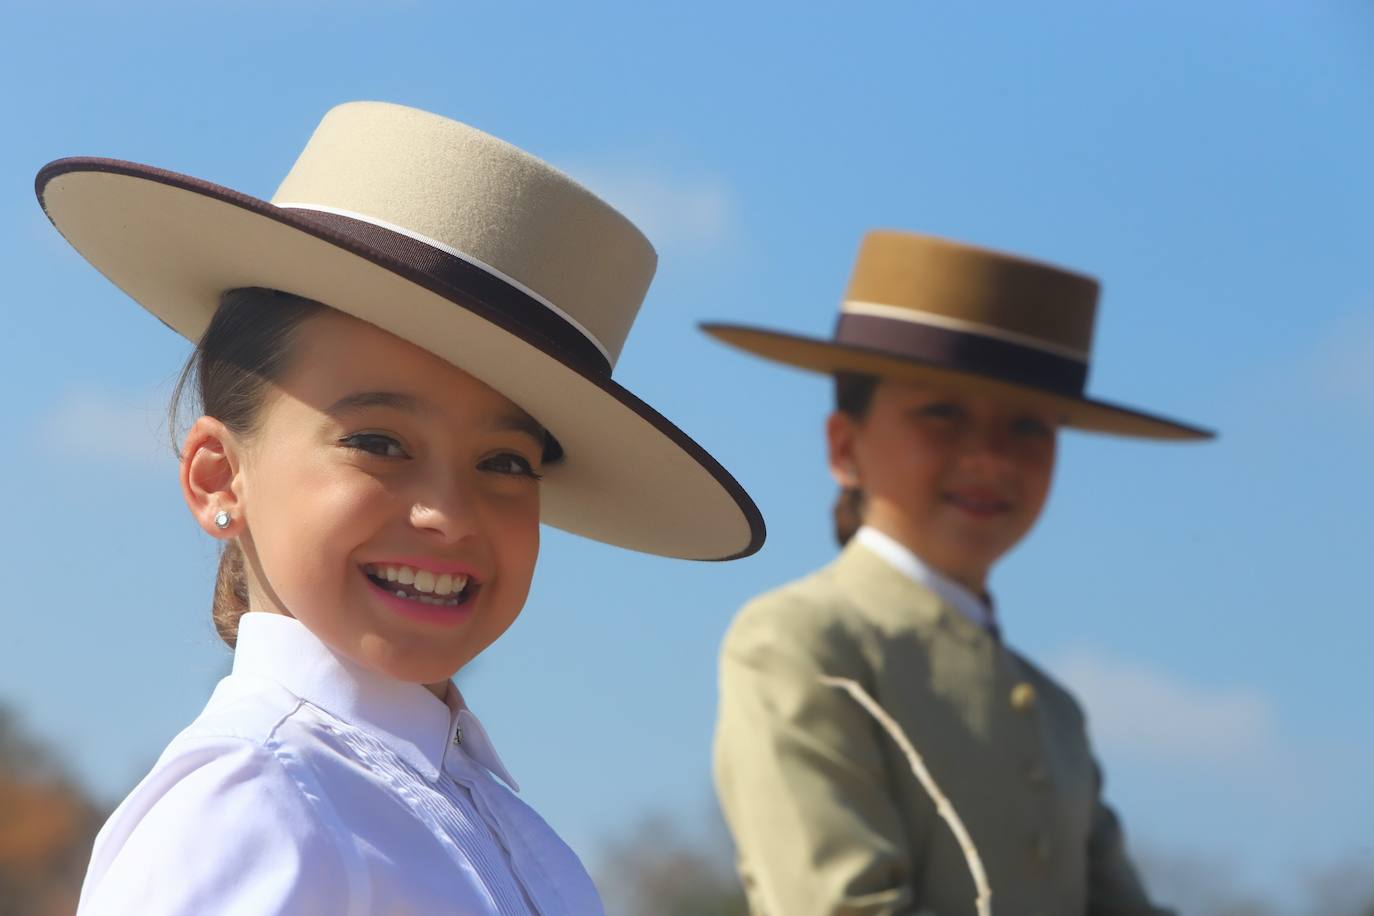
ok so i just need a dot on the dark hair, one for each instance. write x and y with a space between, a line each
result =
245 347
853 396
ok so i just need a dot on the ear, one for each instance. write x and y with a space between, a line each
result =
210 481
840 432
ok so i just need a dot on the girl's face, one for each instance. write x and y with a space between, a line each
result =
958 477
379 468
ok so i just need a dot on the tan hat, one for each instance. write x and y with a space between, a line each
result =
927 309
461 244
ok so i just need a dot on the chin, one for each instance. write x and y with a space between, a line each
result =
425 672
410 660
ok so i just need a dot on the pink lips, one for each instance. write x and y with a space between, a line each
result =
979 505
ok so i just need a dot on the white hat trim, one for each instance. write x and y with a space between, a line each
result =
920 316
475 262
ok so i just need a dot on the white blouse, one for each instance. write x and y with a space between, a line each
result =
309 785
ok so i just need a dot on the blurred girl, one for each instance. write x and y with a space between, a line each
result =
954 370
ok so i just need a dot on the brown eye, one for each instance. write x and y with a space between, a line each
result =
512 464
942 410
1031 428
374 444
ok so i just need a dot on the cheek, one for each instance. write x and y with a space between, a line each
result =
914 463
311 517
513 531
1037 472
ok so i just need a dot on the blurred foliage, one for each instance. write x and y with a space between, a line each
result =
47 825
664 867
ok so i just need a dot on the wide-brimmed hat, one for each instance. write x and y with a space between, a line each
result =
922 308
458 243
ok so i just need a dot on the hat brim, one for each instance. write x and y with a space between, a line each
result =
175 244
819 355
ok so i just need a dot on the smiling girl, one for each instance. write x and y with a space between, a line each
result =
955 368
403 366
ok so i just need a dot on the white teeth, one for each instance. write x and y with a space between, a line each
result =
445 587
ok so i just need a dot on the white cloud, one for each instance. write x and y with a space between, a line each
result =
99 426
694 212
1342 365
1152 714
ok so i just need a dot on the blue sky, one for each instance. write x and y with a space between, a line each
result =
1209 162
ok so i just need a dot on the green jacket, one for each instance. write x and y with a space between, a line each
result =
826 814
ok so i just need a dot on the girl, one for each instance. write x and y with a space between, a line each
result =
954 369
403 366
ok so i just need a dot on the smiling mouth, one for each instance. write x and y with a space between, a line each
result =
978 504
421 585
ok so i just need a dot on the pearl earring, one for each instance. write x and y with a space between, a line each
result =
222 520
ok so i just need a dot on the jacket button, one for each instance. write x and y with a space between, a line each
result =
1022 697
1036 775
1044 849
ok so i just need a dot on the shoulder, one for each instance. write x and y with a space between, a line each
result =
221 801
809 619
247 709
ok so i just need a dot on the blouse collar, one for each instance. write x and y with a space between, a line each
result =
410 720
900 557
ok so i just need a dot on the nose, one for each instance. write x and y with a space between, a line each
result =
992 442
447 510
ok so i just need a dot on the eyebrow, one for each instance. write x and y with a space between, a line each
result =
520 422
365 399
515 420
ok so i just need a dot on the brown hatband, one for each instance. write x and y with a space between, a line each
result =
963 351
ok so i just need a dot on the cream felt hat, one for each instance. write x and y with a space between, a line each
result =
461 244
923 308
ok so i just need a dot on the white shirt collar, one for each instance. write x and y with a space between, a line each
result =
899 556
411 721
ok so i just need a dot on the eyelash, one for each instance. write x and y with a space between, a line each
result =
523 466
361 441
1031 428
355 442
942 410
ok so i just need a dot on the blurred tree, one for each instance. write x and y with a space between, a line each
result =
47 825
1345 888
661 868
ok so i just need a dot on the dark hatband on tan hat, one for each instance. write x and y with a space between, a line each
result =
461 244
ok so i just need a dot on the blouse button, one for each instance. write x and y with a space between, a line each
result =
1022 697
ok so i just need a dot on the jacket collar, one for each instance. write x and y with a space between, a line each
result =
875 584
905 561
412 722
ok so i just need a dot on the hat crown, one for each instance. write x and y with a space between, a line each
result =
927 280
475 196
